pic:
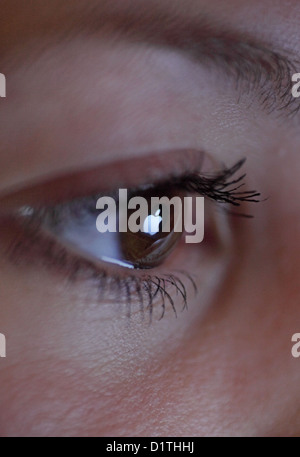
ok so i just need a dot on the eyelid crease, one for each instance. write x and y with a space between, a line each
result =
154 167
219 187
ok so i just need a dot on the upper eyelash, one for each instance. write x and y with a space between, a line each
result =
220 187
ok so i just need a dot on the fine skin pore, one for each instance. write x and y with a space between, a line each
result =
86 91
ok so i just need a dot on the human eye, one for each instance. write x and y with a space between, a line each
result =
151 268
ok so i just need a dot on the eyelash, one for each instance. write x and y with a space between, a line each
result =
219 187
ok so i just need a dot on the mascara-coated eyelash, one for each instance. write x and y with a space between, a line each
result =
221 187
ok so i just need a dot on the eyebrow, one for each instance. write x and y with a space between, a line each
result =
258 69
255 67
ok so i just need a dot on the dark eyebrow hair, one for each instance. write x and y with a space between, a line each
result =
259 70
255 67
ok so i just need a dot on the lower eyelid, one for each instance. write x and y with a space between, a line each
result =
141 292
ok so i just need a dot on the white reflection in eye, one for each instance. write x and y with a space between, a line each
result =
152 223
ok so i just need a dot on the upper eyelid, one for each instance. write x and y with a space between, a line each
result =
223 186
155 167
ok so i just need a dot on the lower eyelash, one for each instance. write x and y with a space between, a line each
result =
151 291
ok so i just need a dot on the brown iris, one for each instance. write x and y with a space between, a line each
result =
150 246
